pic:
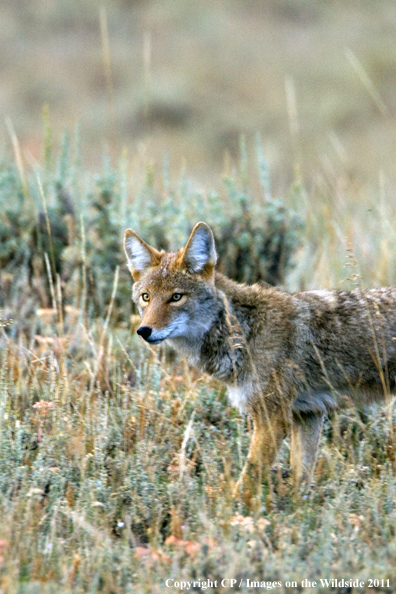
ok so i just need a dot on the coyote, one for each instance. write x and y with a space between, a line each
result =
287 358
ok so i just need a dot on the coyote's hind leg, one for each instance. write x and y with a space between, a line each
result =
306 429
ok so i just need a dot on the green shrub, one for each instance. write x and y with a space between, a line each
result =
78 222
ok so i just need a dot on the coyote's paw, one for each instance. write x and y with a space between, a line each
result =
248 484
280 471
237 488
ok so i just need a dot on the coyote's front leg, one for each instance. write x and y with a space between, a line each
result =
269 429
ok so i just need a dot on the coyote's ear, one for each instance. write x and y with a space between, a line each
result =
140 255
199 255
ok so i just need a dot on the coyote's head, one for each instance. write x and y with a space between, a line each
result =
174 292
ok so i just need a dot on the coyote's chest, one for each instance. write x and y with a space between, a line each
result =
240 395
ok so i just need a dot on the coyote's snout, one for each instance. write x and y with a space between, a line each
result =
287 359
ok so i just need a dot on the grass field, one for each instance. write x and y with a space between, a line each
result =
117 461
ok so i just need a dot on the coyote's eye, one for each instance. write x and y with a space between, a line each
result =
176 297
145 297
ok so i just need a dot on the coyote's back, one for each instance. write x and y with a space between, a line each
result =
287 359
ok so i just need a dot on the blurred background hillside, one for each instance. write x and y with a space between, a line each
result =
316 78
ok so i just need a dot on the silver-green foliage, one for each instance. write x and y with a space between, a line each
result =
77 220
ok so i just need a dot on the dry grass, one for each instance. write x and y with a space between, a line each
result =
117 474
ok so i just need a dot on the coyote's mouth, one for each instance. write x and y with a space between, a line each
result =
156 340
152 340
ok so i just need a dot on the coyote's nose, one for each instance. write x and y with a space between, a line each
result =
144 332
